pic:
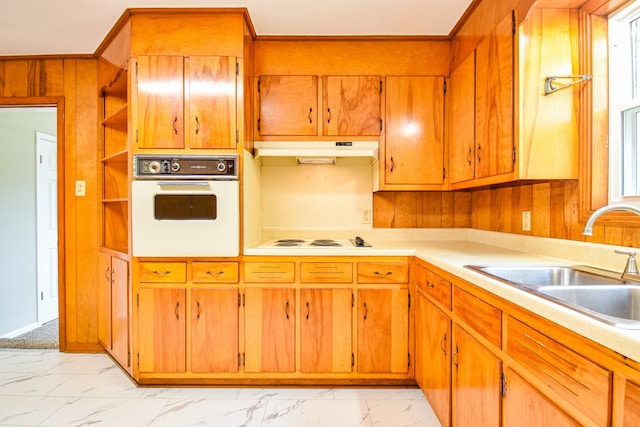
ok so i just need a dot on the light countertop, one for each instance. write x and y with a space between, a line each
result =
452 249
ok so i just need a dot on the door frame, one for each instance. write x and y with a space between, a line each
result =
58 102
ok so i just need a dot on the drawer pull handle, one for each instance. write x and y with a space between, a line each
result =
218 274
286 309
197 126
366 311
454 358
308 310
392 164
106 274
161 273
328 115
469 156
175 121
479 153
310 118
199 310
177 310
377 273
442 345
430 285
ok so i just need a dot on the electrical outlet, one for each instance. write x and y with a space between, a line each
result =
81 188
366 216
526 221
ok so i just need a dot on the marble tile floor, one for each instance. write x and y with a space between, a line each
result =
49 388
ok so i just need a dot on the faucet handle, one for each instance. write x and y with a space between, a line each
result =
631 266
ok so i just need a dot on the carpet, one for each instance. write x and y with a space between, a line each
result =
44 337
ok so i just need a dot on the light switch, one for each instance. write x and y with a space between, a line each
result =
81 188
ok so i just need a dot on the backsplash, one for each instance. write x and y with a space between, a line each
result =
554 208
319 196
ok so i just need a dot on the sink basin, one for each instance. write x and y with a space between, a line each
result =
618 305
583 289
545 275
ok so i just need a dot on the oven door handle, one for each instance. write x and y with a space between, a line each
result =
183 184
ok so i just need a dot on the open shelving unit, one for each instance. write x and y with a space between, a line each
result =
115 163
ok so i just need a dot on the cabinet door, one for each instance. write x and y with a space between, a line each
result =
210 94
631 405
383 330
162 330
270 330
414 144
476 382
214 330
325 330
120 310
160 106
288 105
351 105
527 407
104 300
433 357
494 101
462 90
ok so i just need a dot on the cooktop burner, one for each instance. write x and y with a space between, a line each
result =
317 243
325 242
289 242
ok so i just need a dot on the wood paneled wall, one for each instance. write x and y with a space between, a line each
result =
554 208
32 81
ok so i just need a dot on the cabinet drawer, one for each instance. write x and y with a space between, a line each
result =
163 272
433 285
383 272
269 272
326 272
215 272
578 380
479 315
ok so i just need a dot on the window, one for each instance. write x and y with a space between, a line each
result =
624 105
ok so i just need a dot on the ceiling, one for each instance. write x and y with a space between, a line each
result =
45 27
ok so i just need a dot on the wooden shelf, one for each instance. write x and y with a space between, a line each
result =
118 119
119 156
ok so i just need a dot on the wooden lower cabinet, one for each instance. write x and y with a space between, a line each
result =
433 357
476 382
270 329
162 330
113 307
631 412
525 406
383 331
326 330
214 330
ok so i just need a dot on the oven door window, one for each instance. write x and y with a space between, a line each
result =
185 207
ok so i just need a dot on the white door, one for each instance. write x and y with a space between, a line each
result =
47 226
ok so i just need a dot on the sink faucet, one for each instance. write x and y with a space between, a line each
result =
588 228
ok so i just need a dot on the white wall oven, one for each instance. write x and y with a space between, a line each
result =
185 206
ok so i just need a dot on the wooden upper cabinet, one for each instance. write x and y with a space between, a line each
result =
351 105
160 107
462 146
288 105
185 103
211 93
414 143
494 101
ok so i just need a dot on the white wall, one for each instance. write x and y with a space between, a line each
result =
18 288
316 196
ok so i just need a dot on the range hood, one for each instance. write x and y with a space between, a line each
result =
317 152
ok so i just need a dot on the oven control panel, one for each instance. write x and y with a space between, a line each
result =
149 166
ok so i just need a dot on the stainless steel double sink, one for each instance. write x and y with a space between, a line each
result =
595 293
